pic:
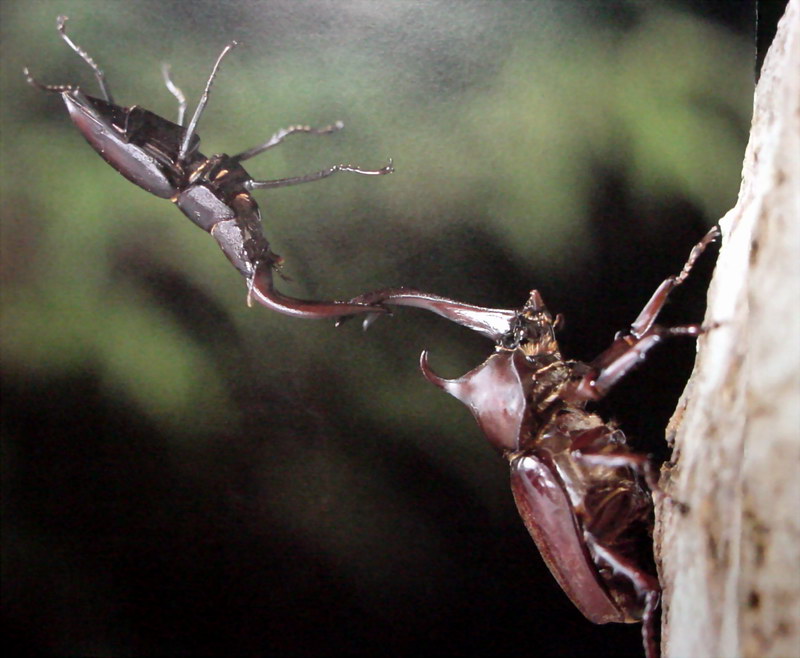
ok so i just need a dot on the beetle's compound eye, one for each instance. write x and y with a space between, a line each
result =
516 334
508 341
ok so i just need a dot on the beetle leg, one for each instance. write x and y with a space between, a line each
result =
649 618
175 91
282 134
646 585
623 354
57 89
628 349
61 23
317 175
653 307
639 463
187 138
262 290
643 581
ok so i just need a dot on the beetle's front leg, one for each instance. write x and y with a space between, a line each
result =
620 358
629 349
653 307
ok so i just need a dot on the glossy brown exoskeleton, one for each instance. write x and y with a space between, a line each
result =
214 192
584 495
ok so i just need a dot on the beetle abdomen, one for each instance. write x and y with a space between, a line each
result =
111 142
548 515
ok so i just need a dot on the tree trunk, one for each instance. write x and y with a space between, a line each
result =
730 566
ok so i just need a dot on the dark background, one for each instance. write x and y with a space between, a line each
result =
186 476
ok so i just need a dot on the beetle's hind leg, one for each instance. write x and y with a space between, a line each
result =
61 23
57 89
201 105
650 618
647 587
176 91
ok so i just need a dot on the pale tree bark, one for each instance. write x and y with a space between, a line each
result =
731 564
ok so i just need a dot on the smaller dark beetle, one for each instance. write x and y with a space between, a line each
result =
214 192
579 488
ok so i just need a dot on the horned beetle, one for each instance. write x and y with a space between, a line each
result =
584 495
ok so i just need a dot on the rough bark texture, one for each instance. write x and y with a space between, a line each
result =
731 565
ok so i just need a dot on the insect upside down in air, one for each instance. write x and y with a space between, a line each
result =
214 192
582 492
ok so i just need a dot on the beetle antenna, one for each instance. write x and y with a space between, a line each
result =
202 104
61 23
175 91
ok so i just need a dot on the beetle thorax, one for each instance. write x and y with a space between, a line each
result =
549 376
532 333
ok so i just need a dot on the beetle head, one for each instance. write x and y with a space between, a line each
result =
532 330
497 391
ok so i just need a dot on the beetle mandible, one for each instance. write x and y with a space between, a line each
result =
583 494
214 192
